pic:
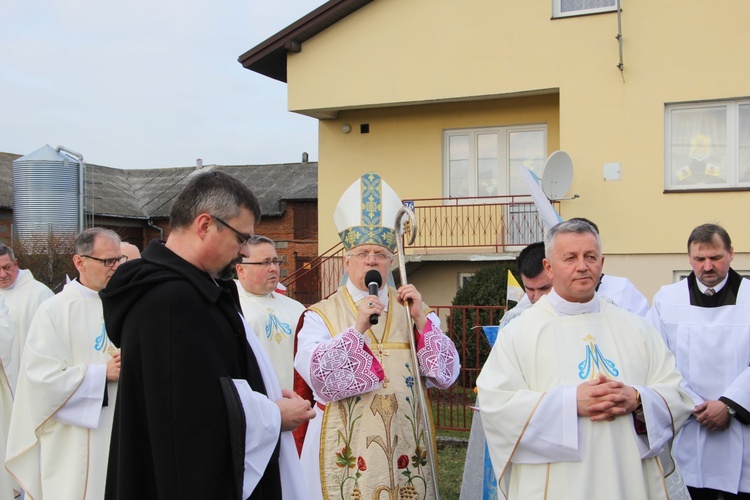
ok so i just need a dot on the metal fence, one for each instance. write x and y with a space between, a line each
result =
463 324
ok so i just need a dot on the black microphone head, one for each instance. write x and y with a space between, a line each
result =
373 276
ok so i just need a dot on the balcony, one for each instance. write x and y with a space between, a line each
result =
490 224
446 226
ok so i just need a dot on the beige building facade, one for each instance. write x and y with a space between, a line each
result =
444 98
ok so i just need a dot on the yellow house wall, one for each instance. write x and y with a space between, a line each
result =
406 59
404 146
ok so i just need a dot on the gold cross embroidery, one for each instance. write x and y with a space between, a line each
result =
380 353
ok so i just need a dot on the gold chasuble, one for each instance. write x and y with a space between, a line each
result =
372 445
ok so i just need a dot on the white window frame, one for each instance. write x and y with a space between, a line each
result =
503 153
557 10
732 147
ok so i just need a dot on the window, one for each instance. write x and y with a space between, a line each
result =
565 8
707 145
482 162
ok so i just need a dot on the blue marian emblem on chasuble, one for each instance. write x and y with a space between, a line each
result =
595 364
276 329
101 340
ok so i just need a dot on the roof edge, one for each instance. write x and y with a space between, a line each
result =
268 58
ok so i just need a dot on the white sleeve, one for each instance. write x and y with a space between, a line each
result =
263 418
84 408
658 422
553 433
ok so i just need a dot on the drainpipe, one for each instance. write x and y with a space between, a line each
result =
161 231
81 184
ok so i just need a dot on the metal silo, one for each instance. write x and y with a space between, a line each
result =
47 193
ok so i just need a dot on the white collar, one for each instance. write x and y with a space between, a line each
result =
358 294
83 289
716 288
565 308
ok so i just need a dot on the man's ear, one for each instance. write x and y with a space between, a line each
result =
547 267
201 224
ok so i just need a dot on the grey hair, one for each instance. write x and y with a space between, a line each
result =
259 240
84 242
6 250
576 226
215 193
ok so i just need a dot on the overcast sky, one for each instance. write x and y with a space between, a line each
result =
147 83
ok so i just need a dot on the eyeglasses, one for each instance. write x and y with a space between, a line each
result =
109 262
242 238
363 256
265 263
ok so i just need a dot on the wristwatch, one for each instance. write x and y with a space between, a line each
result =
732 412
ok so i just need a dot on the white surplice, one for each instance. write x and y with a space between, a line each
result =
23 299
623 293
540 447
7 335
59 434
261 440
712 348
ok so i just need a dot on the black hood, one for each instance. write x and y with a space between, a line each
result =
157 264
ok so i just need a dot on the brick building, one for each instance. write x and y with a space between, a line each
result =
136 202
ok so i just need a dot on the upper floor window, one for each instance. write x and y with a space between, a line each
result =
707 145
482 162
564 8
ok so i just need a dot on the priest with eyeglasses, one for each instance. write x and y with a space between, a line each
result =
58 443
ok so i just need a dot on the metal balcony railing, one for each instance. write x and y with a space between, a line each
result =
492 224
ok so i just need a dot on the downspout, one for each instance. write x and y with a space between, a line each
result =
161 231
81 187
619 39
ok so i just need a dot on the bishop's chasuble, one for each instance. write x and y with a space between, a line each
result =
540 447
371 443
58 445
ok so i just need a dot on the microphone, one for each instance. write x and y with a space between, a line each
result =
373 280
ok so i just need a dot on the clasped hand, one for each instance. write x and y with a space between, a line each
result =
295 410
604 399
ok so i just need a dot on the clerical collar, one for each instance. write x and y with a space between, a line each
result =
18 277
565 308
358 294
716 288
83 289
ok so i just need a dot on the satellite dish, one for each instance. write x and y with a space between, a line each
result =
558 175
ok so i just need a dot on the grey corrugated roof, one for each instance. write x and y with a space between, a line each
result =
148 193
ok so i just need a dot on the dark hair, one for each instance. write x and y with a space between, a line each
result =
84 242
584 219
215 193
705 234
530 260
6 250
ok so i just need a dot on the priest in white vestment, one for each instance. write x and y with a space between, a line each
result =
705 321
23 295
579 397
7 334
62 415
272 316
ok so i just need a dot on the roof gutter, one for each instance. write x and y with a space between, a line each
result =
269 57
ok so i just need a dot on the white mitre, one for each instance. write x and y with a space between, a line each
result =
366 213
